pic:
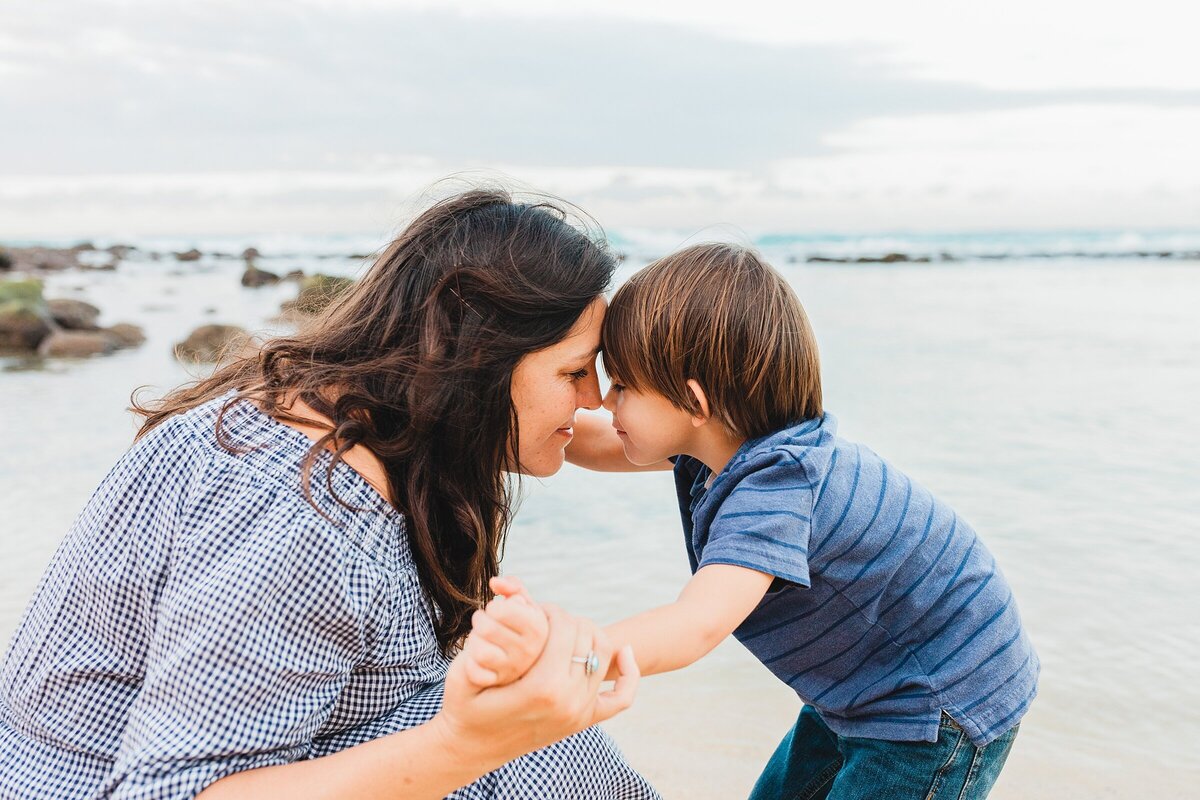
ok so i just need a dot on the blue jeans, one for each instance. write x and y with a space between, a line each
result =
814 762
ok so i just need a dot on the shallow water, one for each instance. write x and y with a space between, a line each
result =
1051 402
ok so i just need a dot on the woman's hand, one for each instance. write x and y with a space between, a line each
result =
479 729
552 700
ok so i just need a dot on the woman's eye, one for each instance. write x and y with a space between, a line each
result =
579 374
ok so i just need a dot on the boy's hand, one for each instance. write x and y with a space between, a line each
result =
506 637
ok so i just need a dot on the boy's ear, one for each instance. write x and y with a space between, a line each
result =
704 413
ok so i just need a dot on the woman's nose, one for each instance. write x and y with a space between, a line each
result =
589 393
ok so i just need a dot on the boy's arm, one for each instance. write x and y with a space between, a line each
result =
712 604
596 446
507 636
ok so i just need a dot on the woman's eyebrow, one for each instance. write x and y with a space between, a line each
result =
590 354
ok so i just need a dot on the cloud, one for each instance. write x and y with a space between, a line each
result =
151 117
1018 45
214 86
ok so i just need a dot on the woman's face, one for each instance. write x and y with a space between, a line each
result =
549 385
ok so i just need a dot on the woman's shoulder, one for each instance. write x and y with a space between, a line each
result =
226 460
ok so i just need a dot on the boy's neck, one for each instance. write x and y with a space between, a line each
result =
714 446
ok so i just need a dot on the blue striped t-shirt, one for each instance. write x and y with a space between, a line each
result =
887 608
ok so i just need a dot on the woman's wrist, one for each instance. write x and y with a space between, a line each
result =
471 747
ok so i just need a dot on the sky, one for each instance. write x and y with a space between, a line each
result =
161 117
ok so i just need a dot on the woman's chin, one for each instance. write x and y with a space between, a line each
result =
545 465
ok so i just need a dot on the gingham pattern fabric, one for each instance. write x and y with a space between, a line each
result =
202 618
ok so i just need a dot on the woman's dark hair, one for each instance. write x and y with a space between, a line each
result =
415 361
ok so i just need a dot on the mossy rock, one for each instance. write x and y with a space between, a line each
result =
22 295
24 318
318 291
211 343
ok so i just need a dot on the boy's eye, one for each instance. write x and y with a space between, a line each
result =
617 387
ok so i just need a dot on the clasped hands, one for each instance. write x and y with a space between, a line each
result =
519 682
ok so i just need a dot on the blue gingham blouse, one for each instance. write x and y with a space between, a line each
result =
202 618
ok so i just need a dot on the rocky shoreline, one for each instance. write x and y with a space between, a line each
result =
34 326
58 328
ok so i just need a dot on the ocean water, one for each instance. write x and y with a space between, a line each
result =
1052 402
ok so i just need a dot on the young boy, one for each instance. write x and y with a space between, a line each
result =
853 584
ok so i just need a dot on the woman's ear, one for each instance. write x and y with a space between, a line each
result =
704 413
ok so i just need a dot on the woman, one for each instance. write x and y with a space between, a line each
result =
264 595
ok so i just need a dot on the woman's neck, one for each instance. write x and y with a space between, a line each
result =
316 426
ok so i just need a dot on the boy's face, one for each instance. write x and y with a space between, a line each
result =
650 427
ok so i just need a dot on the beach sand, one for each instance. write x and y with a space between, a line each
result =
670 736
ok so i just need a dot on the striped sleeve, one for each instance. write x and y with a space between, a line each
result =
764 522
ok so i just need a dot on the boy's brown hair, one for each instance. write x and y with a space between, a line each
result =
719 314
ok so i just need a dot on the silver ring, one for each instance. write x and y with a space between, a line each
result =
591 662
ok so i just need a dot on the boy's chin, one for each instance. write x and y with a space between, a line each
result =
638 459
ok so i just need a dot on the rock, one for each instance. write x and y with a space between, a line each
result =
121 251
74 315
48 258
126 334
22 331
189 255
30 259
290 315
21 294
6 261
894 258
255 277
208 343
84 247
24 319
316 292
250 253
76 344
294 275
55 260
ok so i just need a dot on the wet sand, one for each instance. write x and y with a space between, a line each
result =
694 738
